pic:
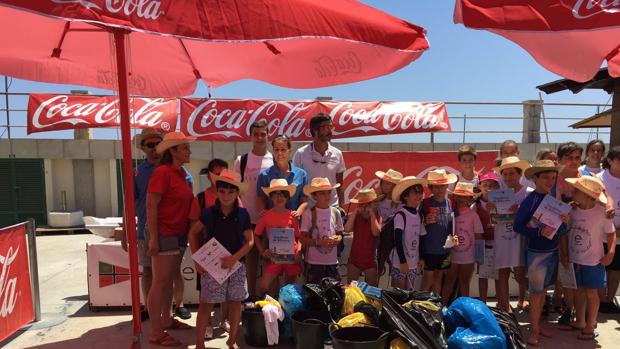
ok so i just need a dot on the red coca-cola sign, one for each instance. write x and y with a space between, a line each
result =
48 112
230 119
16 307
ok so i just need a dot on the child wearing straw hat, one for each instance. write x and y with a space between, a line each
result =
387 180
321 230
230 225
365 223
468 228
280 216
588 229
542 244
405 259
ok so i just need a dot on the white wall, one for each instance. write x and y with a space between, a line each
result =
62 179
103 202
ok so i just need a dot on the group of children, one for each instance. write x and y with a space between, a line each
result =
434 236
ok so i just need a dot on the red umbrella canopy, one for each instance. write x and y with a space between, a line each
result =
571 38
290 43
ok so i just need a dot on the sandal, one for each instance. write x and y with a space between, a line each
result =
165 340
178 325
583 336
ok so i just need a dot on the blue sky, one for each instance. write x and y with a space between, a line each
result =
461 65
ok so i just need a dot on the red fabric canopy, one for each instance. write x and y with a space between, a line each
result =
571 38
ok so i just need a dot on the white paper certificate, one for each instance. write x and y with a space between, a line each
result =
487 270
566 275
209 257
282 245
548 213
479 251
503 199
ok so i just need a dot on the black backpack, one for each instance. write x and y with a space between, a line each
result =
387 238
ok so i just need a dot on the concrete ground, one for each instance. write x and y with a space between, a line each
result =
68 323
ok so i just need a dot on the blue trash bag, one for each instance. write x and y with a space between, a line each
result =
292 298
471 324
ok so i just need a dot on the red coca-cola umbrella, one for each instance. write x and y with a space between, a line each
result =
571 38
162 48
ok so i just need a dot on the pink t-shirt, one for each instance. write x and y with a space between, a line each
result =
467 224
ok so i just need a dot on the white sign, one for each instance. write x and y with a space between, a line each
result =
209 257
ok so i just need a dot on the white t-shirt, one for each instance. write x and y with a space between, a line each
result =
612 185
508 244
325 227
411 239
252 169
317 165
462 179
588 230
387 208
467 224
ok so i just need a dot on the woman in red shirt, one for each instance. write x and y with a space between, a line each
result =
168 204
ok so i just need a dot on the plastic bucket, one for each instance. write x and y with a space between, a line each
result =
310 329
253 325
365 337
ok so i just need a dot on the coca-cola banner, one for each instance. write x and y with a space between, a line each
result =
230 119
361 166
15 295
47 112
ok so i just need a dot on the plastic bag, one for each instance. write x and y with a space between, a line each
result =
399 343
471 324
326 296
355 319
292 299
369 310
510 327
352 296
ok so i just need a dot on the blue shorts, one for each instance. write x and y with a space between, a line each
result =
590 276
542 269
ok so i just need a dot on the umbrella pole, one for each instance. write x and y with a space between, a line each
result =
130 213
615 115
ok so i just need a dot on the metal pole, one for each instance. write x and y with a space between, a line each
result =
464 126
31 234
8 115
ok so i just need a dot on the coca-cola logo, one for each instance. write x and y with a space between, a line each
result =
8 285
330 66
61 109
587 8
147 9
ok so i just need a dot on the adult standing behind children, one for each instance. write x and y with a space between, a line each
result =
249 167
321 159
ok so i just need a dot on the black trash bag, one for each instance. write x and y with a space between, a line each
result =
418 326
368 310
510 326
326 296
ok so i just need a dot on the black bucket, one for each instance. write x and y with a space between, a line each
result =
253 324
365 337
310 329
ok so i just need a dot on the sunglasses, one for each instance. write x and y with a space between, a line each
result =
281 193
151 145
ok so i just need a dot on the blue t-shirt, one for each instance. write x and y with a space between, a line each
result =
437 233
297 176
227 230
535 241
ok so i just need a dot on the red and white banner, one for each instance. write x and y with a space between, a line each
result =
361 166
16 307
47 112
230 119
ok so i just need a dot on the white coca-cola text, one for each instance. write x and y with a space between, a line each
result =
587 8
147 9
8 285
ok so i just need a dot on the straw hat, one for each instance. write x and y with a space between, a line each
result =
464 189
405 183
390 175
488 176
231 177
173 139
512 162
365 196
591 186
319 184
146 133
440 176
541 166
279 184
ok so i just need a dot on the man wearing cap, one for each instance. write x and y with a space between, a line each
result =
321 159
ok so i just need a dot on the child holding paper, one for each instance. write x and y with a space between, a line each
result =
588 229
387 180
321 230
468 228
230 225
365 223
488 182
279 192
542 244
406 264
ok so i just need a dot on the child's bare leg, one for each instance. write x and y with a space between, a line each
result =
265 282
203 319
592 309
353 273
395 283
520 273
427 279
501 289
536 303
465 272
437 278
234 315
580 308
371 277
448 286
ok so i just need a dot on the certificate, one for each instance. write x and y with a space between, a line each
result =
566 276
503 199
548 213
487 269
282 245
209 257
479 251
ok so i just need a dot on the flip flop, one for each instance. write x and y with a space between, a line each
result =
165 340
178 325
587 336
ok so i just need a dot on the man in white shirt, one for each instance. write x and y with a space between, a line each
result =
249 167
320 159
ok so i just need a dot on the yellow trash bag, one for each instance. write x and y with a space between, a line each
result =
398 343
355 319
352 295
268 300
